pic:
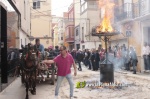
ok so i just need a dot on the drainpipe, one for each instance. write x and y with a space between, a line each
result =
141 59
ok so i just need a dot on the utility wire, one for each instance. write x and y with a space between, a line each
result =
42 13
65 6
56 8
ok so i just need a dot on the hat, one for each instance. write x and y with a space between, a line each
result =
50 47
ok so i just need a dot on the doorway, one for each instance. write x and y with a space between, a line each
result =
78 46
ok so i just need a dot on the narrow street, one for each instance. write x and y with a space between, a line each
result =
138 87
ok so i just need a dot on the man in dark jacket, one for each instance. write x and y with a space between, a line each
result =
56 51
79 57
134 60
73 53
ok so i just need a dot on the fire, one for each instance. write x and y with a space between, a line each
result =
105 26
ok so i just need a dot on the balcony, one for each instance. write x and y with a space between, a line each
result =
141 10
123 13
69 23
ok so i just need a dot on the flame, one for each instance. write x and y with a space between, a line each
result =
105 26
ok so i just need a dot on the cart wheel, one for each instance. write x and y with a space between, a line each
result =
53 77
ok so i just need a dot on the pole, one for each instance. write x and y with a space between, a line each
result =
105 39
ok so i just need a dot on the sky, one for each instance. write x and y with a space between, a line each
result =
60 6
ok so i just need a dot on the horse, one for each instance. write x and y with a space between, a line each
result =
29 69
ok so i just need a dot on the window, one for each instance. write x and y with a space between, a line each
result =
72 32
84 7
83 46
61 38
67 32
36 4
93 4
82 1
128 7
71 16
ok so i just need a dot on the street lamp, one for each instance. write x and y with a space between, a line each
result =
106 67
31 38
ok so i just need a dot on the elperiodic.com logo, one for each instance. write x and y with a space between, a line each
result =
84 84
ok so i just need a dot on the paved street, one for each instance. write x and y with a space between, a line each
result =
16 90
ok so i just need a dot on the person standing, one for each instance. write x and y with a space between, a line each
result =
63 62
79 57
88 58
11 62
134 59
39 46
73 53
145 53
92 59
102 55
51 53
97 60
56 51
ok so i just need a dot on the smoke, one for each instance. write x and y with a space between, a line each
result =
107 6
118 63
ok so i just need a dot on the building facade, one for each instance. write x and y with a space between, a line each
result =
55 32
12 29
41 20
23 10
61 31
133 19
77 33
15 30
89 18
69 27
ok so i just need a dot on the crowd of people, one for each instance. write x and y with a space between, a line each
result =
120 56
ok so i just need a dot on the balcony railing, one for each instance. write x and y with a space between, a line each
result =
123 12
141 8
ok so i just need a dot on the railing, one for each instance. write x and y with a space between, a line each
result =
123 12
141 8
136 11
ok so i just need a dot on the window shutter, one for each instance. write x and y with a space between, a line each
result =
36 4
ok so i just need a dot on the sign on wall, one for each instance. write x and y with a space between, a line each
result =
128 33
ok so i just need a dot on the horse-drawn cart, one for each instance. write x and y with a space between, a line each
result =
43 71
32 69
46 71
